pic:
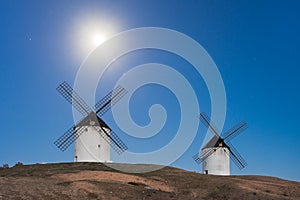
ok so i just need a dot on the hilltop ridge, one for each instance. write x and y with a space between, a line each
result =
98 181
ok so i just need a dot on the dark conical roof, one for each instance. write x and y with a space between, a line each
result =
92 120
215 141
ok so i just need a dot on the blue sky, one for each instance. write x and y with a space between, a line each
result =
253 43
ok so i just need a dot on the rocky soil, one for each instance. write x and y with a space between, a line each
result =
98 181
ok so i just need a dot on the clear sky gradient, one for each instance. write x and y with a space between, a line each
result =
255 45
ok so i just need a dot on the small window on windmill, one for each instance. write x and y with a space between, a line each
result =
99 146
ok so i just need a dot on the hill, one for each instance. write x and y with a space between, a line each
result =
97 181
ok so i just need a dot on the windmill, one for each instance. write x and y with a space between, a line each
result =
216 153
91 135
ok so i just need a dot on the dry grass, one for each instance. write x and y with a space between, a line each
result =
115 177
97 181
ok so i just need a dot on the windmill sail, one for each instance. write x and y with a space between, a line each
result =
206 121
73 98
235 131
203 155
112 139
109 100
64 141
236 157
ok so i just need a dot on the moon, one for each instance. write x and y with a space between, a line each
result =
88 34
97 39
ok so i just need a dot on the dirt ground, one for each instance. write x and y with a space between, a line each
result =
97 181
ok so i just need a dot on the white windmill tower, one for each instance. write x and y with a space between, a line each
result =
215 155
92 136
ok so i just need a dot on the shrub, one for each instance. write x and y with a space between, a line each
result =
18 164
5 166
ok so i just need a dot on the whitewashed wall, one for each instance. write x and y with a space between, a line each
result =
218 163
91 147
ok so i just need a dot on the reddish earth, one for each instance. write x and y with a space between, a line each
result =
97 181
